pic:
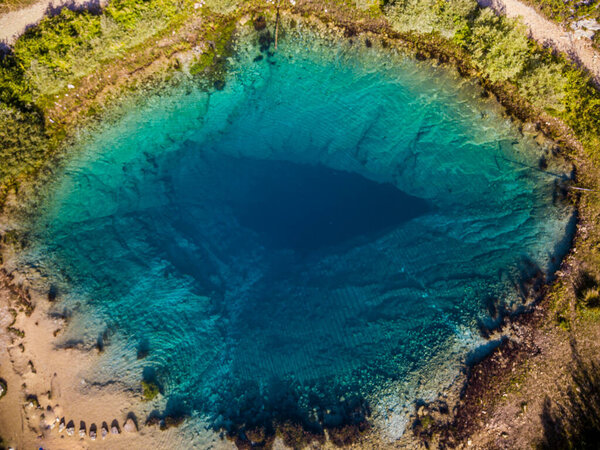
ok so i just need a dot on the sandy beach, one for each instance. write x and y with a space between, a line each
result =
47 386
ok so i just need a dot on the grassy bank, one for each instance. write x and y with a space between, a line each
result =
73 65
58 72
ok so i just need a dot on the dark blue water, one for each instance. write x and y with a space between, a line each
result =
318 240
305 207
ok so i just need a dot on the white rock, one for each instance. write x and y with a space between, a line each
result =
81 432
588 24
93 435
129 426
104 432
70 86
70 431
114 430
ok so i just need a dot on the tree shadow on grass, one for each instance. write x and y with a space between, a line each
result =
575 422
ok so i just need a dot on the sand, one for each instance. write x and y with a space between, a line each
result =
58 379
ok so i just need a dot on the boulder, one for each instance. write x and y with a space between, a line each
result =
70 428
104 431
3 388
129 426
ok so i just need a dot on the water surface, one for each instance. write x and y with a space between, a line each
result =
323 234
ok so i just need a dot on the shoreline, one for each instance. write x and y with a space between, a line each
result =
349 29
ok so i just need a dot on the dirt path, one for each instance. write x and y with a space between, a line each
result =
14 23
549 33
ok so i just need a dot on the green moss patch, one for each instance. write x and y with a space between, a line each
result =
150 390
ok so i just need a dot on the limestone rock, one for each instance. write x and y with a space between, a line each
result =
129 426
70 428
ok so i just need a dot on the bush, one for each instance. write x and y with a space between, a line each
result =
431 16
22 140
150 390
591 298
499 46
543 83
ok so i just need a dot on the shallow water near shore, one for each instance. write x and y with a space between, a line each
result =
316 242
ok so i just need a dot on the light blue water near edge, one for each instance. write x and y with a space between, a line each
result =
199 227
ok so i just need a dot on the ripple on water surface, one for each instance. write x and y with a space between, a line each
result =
327 228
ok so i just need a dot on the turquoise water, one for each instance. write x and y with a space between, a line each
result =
303 244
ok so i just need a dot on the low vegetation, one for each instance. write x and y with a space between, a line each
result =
150 390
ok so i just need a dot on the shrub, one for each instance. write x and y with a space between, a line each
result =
431 16
150 390
500 47
591 298
72 44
